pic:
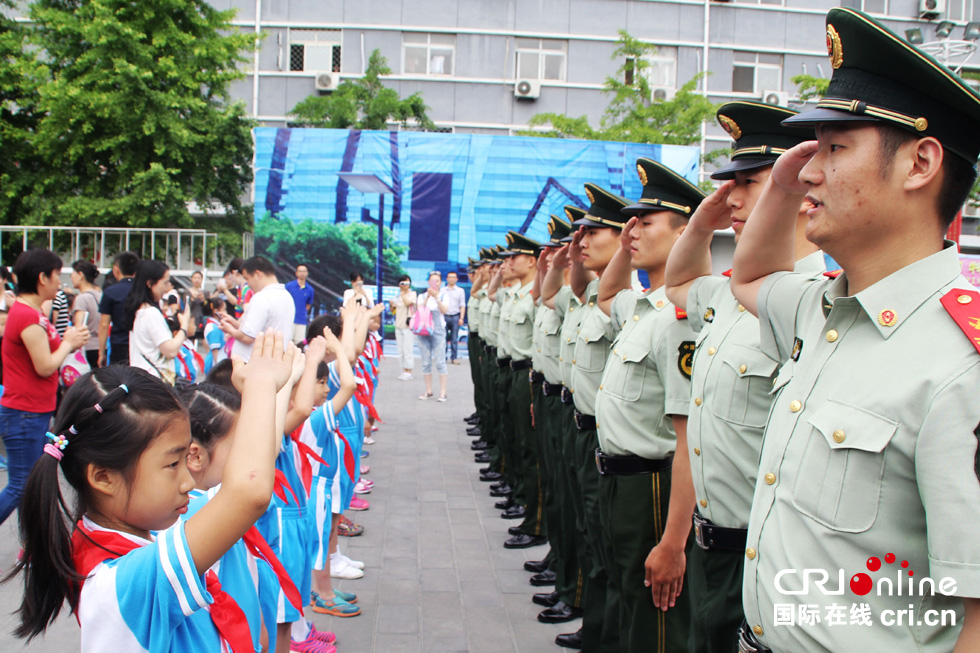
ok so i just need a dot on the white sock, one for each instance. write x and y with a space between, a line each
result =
300 630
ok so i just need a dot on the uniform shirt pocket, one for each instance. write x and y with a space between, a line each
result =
628 370
839 484
593 346
742 386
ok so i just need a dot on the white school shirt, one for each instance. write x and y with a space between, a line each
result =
272 307
149 331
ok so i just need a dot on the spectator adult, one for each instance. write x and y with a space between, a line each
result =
356 293
433 346
85 308
403 306
270 307
233 287
32 353
170 302
302 294
152 346
454 298
196 298
113 328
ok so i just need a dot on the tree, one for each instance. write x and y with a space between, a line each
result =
810 87
364 103
137 119
632 115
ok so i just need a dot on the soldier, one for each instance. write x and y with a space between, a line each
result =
474 345
869 462
645 493
491 427
732 375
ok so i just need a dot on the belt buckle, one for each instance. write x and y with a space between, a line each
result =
698 533
744 646
530 376
598 460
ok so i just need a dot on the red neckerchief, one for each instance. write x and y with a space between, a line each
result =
362 393
259 548
91 548
348 455
306 452
280 487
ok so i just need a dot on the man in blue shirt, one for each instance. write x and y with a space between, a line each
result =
303 299
111 310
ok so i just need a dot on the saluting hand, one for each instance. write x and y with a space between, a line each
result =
560 259
714 213
625 236
786 171
575 247
665 574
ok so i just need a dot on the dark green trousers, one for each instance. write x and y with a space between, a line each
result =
506 436
573 508
491 427
714 579
603 594
526 454
634 514
561 521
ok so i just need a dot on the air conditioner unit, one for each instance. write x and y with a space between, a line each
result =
778 98
931 8
527 89
662 93
327 81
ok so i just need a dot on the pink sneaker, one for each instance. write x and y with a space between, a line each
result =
365 469
361 488
311 645
325 637
357 503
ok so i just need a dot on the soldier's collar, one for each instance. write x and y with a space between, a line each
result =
657 298
812 264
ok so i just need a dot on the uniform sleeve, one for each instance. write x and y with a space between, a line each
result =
699 298
947 466
562 301
779 303
215 337
158 586
620 307
674 355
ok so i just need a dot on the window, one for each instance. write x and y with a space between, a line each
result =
754 72
660 69
428 54
960 10
541 59
314 50
869 6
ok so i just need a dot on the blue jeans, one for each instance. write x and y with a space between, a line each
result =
23 435
452 335
433 349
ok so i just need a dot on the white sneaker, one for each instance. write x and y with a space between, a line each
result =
369 440
356 564
344 571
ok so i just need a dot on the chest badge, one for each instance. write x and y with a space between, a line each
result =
797 349
709 315
686 358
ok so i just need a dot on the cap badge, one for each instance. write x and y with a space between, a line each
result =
887 318
551 228
730 126
642 173
510 239
568 214
834 48
588 193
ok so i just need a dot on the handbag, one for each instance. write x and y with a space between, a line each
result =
73 368
421 323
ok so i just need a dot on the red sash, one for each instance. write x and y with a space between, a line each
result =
348 456
362 392
90 548
259 548
306 467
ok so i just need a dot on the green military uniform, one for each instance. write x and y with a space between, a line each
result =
592 341
871 445
474 344
513 473
731 393
646 380
489 319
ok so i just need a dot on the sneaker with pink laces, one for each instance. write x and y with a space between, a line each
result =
361 488
325 637
311 645
357 503
365 469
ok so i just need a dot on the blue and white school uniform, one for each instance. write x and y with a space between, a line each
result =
215 338
351 422
149 600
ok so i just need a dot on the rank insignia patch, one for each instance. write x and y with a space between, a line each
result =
709 315
686 358
797 349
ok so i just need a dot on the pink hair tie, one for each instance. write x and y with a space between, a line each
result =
54 451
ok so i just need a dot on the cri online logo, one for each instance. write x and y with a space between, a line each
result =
861 583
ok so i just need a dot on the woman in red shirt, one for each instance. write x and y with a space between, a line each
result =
32 353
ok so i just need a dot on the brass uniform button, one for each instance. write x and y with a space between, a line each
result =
770 478
573 361
591 303
795 406
964 299
704 503
741 309
750 553
636 318
838 436
697 401
600 386
758 630
711 351
742 368
831 335
697 452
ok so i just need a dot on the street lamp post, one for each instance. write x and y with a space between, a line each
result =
370 183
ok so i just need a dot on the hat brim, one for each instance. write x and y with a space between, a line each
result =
814 117
565 240
554 244
586 222
742 165
637 209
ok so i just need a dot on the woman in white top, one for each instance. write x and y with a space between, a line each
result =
152 346
403 306
356 293
85 308
434 344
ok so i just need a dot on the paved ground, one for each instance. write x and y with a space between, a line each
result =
438 578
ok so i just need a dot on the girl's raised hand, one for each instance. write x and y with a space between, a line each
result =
316 351
270 360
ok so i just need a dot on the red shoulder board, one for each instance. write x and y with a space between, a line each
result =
726 273
964 307
833 274
680 312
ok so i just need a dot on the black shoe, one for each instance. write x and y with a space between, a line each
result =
559 613
472 421
484 470
470 417
570 640
474 431
482 457
491 477
514 512
479 445
536 566
515 530
543 579
504 505
547 600
498 485
504 491
524 541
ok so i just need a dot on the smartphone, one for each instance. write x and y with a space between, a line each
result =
84 320
360 301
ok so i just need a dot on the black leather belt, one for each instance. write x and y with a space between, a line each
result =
503 362
535 377
630 465
708 536
566 396
488 347
517 366
584 422
747 643
551 389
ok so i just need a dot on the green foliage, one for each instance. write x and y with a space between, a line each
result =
631 115
332 251
133 115
362 103
811 87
